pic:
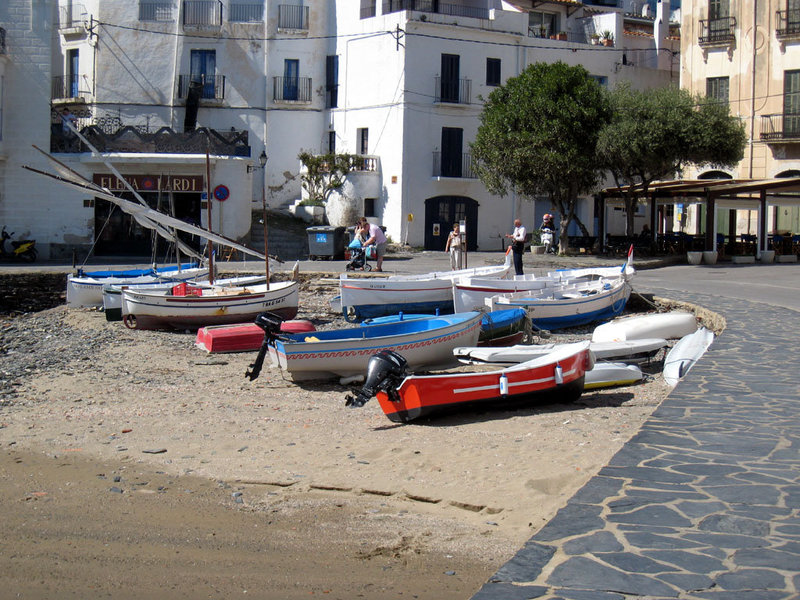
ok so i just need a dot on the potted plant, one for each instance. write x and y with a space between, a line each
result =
562 35
607 38
595 39
536 242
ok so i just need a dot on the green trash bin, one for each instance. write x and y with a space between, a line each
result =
326 242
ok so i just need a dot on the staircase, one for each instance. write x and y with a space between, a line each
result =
288 239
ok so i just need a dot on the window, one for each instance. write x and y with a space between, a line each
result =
155 11
718 9
363 140
73 72
246 11
493 71
601 79
452 142
369 207
717 89
203 69
449 84
368 8
332 81
791 103
542 24
291 72
331 142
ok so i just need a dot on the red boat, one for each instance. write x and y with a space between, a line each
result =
557 376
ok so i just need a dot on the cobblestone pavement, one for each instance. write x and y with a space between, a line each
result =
704 502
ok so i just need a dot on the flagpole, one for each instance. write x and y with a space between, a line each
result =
208 213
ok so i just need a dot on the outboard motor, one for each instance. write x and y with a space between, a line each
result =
385 371
271 324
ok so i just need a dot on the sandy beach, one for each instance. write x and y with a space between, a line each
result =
134 464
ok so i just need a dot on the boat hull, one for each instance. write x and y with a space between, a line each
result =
671 325
346 352
159 311
430 395
242 337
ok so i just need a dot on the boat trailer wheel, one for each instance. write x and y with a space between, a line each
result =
129 321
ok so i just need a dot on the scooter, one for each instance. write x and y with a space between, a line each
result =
547 240
24 250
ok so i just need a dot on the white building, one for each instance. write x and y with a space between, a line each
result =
399 81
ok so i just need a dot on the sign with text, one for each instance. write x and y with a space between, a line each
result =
151 183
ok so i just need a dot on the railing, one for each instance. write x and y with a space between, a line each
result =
239 12
368 164
212 86
436 7
71 15
65 86
788 23
202 13
2 40
780 127
155 11
717 31
453 91
453 165
292 17
291 89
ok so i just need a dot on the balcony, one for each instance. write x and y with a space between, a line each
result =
453 164
241 12
202 14
64 87
212 87
292 18
435 7
72 19
780 128
291 89
717 32
160 12
452 91
788 24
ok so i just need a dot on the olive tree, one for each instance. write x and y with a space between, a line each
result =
537 135
653 134
326 173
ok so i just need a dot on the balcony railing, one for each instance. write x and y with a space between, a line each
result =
212 87
292 17
436 7
202 13
155 11
453 165
780 128
453 91
788 23
65 86
291 89
720 31
71 15
240 12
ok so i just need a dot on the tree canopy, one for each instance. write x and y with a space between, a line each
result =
654 133
538 133
325 173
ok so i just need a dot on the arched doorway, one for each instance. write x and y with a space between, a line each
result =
440 214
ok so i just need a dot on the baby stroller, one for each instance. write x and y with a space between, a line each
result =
358 257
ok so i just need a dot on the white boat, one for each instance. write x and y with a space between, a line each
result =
685 353
609 374
160 309
364 298
86 289
569 305
425 343
670 325
112 294
634 351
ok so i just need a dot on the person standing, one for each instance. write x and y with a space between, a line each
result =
453 246
518 245
376 238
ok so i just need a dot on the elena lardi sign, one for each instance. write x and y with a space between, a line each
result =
151 183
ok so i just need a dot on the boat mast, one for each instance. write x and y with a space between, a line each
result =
208 213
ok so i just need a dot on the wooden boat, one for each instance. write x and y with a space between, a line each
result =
218 306
346 352
669 325
242 337
558 376
685 354
112 294
85 289
634 351
569 306
363 298
609 374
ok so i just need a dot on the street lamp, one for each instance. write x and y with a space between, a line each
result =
262 161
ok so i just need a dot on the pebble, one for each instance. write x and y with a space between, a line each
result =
155 451
116 490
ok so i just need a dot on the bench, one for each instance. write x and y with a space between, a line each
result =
585 243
